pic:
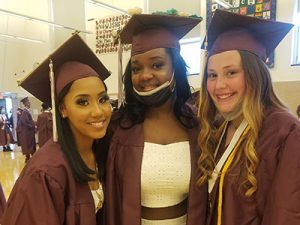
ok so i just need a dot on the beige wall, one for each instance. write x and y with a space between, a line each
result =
289 93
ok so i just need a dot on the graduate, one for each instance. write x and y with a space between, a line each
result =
251 160
44 125
26 130
152 161
62 183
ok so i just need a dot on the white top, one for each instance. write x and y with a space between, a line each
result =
98 197
165 174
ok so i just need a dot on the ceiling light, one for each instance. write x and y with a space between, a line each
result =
21 38
223 3
107 6
41 20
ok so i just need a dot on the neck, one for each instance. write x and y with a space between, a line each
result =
84 147
164 110
86 152
237 121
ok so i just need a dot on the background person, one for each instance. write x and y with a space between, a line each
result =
5 133
44 125
26 130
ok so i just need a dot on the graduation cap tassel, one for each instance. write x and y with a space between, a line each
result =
51 75
120 74
203 62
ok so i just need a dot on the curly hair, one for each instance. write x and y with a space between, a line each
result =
135 111
259 94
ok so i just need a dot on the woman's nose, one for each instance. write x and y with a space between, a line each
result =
146 74
221 82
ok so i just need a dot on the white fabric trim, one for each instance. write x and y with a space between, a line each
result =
234 140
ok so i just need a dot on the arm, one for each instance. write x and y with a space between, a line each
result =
283 205
36 199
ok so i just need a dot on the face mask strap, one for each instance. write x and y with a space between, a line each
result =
164 85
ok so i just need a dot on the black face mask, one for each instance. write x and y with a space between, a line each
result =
156 97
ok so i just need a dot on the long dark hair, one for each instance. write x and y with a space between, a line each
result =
81 172
135 111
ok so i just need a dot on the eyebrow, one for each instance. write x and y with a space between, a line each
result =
151 58
103 93
225 67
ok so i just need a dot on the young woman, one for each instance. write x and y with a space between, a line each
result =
62 183
252 160
151 169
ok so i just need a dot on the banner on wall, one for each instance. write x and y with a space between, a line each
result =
107 29
265 9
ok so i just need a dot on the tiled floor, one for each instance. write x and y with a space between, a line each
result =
11 164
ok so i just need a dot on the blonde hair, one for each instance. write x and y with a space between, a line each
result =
259 94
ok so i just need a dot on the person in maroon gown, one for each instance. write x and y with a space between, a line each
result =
44 125
26 128
2 202
251 160
152 161
5 132
19 113
62 183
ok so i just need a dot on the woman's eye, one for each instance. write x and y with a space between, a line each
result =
135 70
230 73
211 76
157 65
82 102
104 99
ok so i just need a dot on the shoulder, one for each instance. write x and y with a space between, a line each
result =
49 161
280 119
278 125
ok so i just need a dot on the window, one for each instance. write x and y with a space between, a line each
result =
296 51
191 53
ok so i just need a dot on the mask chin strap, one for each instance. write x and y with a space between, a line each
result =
164 85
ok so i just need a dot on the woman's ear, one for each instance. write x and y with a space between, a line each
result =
62 111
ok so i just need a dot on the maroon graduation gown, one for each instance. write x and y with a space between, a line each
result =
277 199
44 127
2 132
2 202
26 131
47 193
123 179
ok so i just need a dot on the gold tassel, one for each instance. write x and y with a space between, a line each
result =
120 73
52 84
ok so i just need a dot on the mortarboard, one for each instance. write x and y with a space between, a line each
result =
24 100
73 60
146 32
231 31
149 31
74 50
